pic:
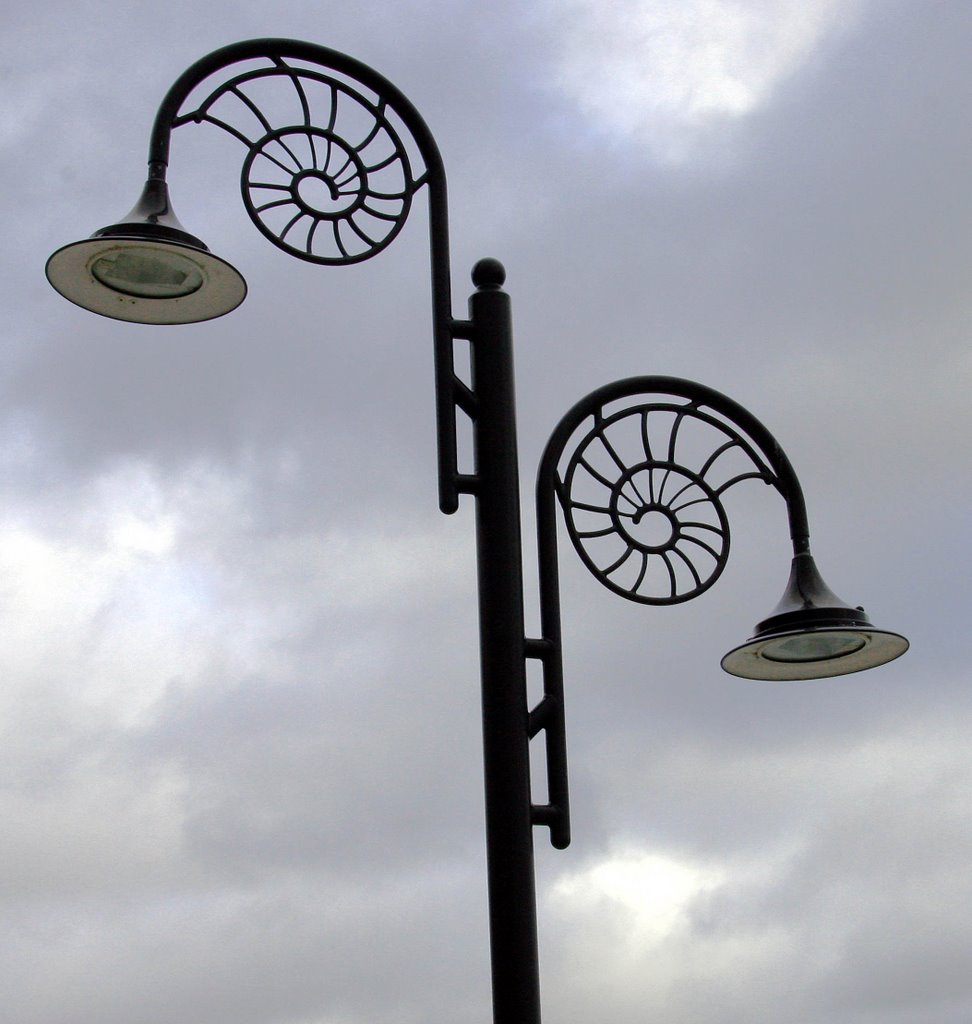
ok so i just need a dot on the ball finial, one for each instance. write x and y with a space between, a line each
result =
488 274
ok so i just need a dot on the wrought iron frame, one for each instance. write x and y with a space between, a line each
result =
283 55
332 198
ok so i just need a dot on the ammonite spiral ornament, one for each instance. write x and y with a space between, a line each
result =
642 496
334 184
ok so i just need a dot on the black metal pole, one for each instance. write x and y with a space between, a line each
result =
506 756
490 405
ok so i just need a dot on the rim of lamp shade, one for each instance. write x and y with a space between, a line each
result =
146 273
814 652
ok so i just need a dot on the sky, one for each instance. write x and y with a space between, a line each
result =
240 746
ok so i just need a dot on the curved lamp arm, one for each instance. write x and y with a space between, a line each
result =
328 177
641 491
642 495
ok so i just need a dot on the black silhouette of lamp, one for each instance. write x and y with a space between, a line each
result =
333 185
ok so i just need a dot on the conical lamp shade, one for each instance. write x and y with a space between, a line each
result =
812 634
147 269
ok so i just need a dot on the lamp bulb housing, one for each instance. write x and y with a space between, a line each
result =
147 268
812 634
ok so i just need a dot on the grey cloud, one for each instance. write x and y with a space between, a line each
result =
241 741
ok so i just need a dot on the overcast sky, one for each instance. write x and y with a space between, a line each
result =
240 775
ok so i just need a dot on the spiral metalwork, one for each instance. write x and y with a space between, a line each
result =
642 497
332 183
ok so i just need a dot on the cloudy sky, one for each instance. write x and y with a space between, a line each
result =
240 773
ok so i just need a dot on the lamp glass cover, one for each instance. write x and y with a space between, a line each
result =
816 646
148 272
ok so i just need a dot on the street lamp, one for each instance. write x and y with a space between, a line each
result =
639 467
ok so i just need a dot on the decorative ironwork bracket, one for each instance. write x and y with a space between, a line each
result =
641 491
328 176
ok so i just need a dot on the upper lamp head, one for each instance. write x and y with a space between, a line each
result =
812 634
147 269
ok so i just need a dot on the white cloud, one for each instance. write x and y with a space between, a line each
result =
148 586
663 72
653 892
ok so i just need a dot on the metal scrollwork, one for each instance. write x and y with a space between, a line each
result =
335 154
333 184
642 497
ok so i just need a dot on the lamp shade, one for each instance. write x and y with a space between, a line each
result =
147 269
812 634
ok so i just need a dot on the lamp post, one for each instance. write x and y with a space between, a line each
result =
639 467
